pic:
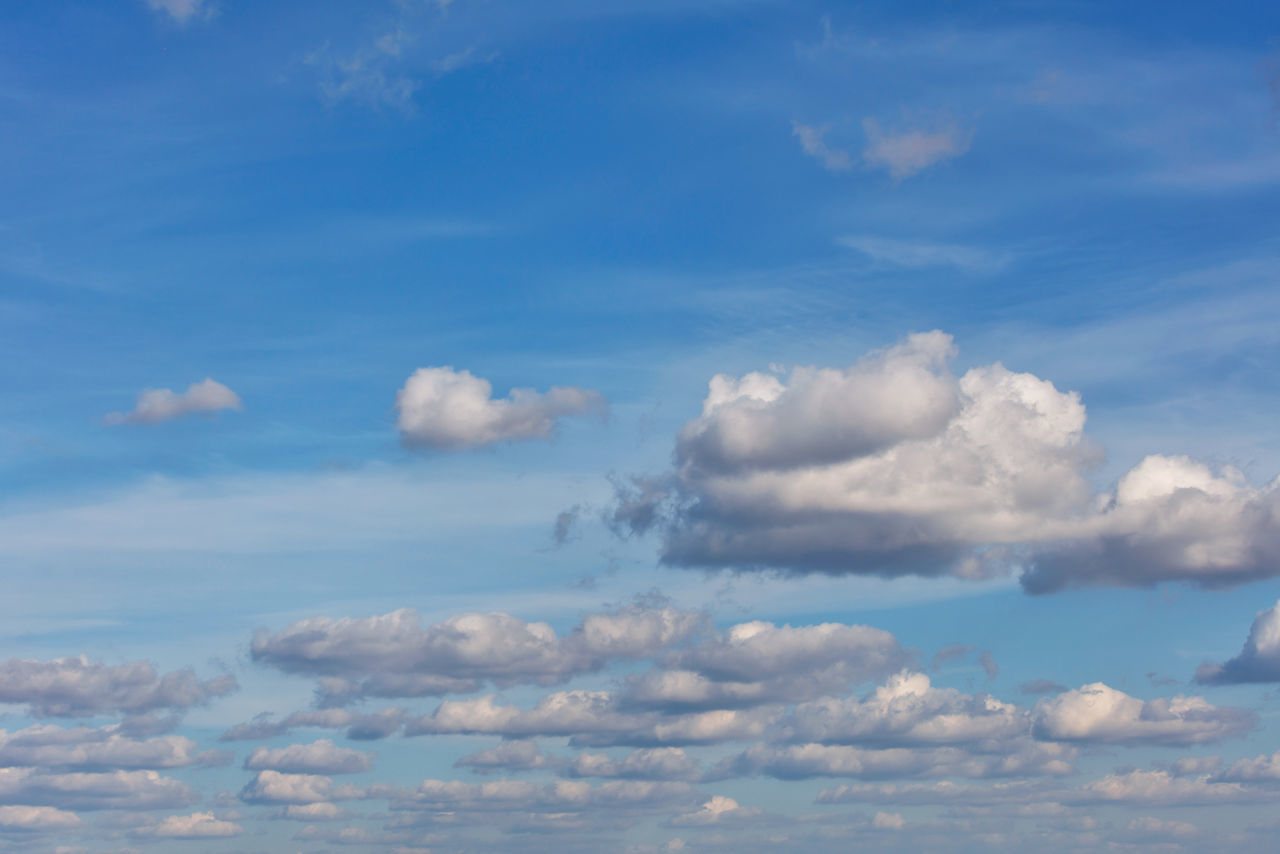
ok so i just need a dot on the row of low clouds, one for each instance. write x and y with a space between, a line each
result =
694 705
891 466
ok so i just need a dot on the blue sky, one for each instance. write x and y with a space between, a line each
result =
738 352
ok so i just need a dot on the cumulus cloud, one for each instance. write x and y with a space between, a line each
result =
36 818
512 795
1164 789
102 748
162 404
657 763
452 410
759 662
128 790
717 810
508 756
1101 714
393 655
1258 661
905 710
813 144
200 825
907 152
276 787
1259 769
895 466
319 757
79 687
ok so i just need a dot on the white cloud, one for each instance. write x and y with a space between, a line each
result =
1016 758
906 710
1099 713
1258 661
161 404
894 466
1164 789
103 748
392 655
657 763
759 662
200 825
182 11
451 410
319 757
811 140
508 756
1260 769
905 153
129 790
717 810
888 821
275 787
78 687
36 818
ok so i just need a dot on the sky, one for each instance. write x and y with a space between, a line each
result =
640 426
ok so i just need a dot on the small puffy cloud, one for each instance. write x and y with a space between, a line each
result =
1258 661
813 144
760 662
895 466
182 11
79 687
161 404
1101 714
36 818
906 710
657 763
888 821
717 810
200 825
906 152
1160 788
508 756
452 410
318 811
319 757
1260 769
275 787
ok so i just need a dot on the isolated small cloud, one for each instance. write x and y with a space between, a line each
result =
182 11
1101 714
452 410
161 404
1258 661
813 142
907 152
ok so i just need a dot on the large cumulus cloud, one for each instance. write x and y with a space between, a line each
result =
1258 661
896 466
